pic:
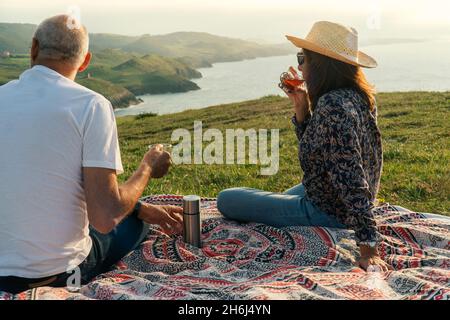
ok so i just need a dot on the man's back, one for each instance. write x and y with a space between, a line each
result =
50 127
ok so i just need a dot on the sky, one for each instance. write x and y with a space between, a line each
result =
262 20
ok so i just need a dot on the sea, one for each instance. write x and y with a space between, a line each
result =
407 66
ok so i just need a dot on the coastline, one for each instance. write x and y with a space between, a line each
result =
137 99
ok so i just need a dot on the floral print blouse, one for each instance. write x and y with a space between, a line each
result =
341 157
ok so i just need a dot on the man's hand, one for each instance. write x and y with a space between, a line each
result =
371 261
158 160
170 218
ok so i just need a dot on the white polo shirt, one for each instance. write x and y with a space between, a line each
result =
50 127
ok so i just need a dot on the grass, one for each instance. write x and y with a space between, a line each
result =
11 68
416 141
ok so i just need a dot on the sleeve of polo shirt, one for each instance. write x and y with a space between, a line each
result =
100 139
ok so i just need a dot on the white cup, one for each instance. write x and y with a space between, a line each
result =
166 147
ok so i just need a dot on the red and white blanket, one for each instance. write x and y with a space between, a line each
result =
255 261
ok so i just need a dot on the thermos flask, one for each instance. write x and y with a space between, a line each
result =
191 220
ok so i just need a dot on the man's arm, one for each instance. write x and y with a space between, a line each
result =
108 203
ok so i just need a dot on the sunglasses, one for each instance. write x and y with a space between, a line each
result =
300 58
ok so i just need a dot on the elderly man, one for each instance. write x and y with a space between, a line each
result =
62 211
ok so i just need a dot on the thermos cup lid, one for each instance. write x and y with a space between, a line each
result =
191 204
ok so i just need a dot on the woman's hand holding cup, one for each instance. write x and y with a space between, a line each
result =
297 94
300 101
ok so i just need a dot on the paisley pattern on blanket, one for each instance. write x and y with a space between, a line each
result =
256 261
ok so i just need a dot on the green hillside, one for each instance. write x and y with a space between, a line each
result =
111 57
128 66
119 96
120 76
150 74
414 127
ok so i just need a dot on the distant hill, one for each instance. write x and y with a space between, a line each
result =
16 37
102 41
193 46
199 49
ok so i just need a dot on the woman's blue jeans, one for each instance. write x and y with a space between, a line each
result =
290 208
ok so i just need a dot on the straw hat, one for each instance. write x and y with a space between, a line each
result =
335 41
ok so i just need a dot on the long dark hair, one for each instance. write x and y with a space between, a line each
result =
326 74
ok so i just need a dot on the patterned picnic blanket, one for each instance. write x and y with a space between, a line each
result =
255 261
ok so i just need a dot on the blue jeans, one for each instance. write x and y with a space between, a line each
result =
290 208
107 249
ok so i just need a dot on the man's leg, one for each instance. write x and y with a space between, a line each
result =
108 249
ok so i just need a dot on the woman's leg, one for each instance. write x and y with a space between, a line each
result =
298 190
276 209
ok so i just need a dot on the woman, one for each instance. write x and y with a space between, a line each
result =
339 146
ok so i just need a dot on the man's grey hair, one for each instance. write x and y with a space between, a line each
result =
62 38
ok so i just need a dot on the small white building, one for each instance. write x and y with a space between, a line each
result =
5 54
